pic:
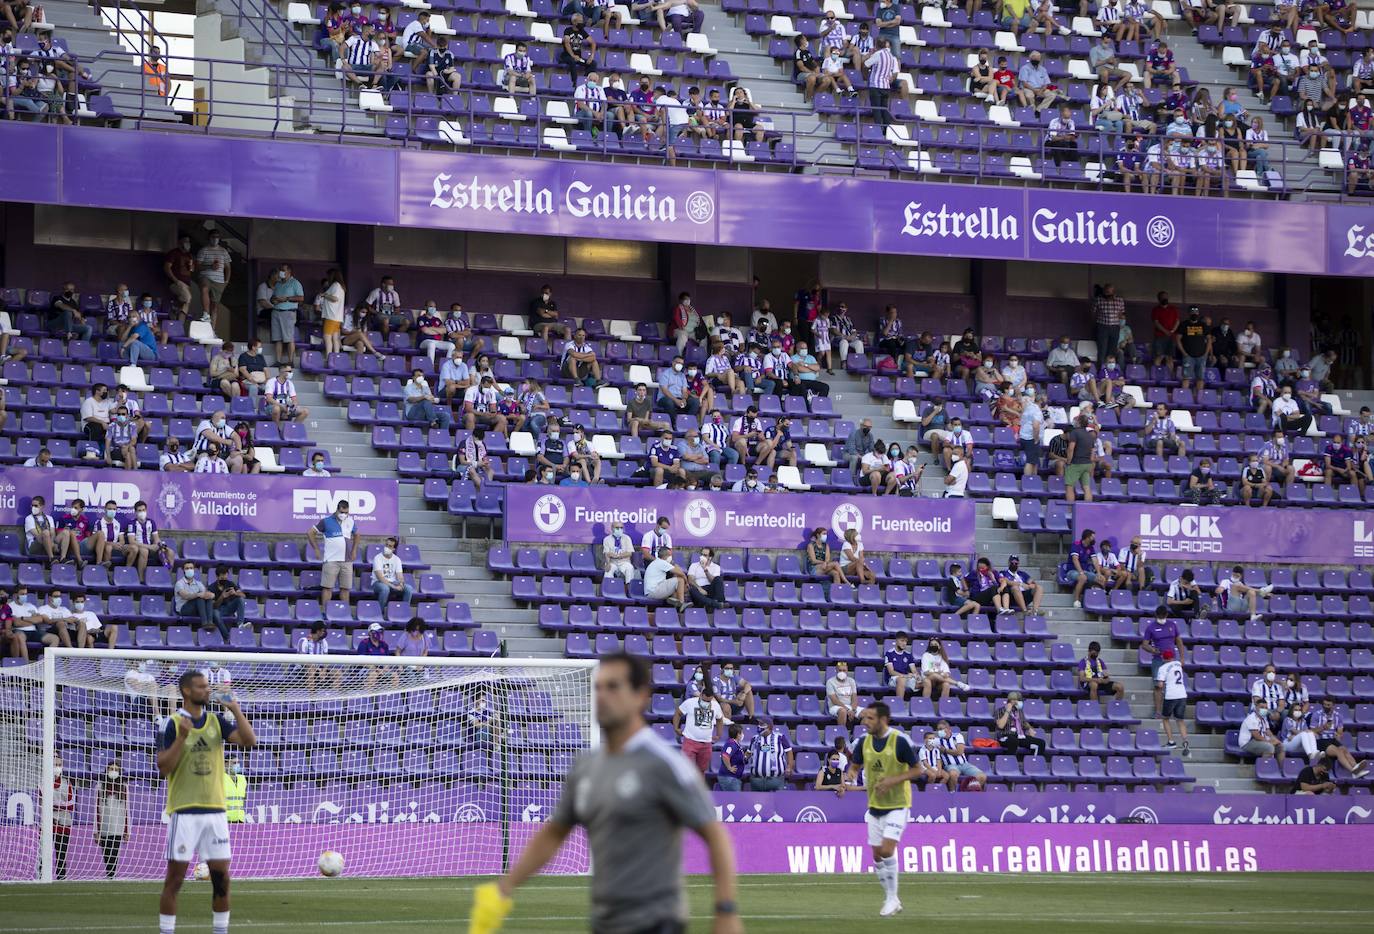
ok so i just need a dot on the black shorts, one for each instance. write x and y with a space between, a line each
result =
1324 744
1175 709
1106 686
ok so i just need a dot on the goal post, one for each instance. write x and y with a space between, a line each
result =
406 766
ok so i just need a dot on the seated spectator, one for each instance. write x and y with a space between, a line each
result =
353 331
139 341
1184 597
544 319
720 372
829 777
1108 567
731 773
229 599
384 303
1287 415
1062 362
655 538
664 581
987 380
73 536
414 644
1161 434
952 745
316 468
777 367
842 326
281 398
1254 478
685 16
1021 585
748 436
771 758
988 590
695 459
1081 565
120 439
639 413
935 671
1362 465
1091 675
673 398
617 553
1328 723
930 764
852 554
175 460
818 560
1314 779
874 468
388 577
65 319
1203 490
1061 139
1033 86
1234 597
716 436
21 623
858 445
1256 737
805 373
431 332
905 476
705 587
1014 373
579 362
951 442
214 432
1110 381
253 366
481 406
666 466
1014 731
842 696
472 461
1263 390
193 601
56 619
966 354
899 665
1277 460
733 692
686 324
224 372
211 460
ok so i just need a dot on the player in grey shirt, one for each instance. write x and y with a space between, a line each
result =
634 795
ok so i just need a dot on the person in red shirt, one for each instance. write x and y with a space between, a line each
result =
1004 78
1164 317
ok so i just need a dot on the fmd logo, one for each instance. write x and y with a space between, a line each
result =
1171 534
323 502
1364 539
124 494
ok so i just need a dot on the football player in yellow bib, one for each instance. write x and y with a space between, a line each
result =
191 757
889 764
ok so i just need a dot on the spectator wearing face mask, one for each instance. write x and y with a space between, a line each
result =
842 696
956 480
139 341
1014 730
575 477
334 540
831 776
665 581
1203 489
86 625
1184 596
111 822
1257 737
1286 415
955 752
731 774
422 405
617 553
935 674
388 577
1062 362
214 268
65 319
697 722
705 586
733 692
1021 585
64 814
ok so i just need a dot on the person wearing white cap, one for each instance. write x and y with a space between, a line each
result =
374 643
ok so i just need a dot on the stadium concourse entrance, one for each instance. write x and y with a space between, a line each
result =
500 273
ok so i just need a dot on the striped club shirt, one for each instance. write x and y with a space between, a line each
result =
768 755
882 66
948 744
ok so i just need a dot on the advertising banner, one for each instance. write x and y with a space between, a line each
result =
821 807
266 503
1234 533
104 167
811 849
583 515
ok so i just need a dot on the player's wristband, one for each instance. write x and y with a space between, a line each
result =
726 908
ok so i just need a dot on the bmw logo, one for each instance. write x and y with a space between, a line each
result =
550 513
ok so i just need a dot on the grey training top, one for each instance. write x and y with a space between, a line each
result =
634 805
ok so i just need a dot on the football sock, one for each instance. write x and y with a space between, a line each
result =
892 877
166 924
219 922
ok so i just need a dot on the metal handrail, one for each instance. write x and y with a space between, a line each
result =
273 119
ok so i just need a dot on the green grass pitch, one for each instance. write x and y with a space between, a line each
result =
979 904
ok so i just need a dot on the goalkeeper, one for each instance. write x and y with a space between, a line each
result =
633 794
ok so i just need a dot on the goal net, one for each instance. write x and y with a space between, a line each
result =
404 766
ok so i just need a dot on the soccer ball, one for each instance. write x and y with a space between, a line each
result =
331 864
202 872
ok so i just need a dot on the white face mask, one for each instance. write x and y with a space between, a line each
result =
841 675
388 550
1269 676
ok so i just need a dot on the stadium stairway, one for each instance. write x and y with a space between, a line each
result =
88 35
321 103
461 561
1040 558
770 87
